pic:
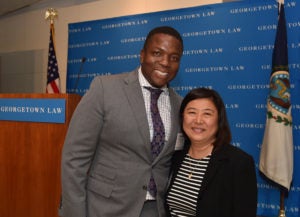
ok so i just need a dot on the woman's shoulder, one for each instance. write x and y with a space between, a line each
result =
235 152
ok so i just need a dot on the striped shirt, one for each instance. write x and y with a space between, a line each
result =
183 194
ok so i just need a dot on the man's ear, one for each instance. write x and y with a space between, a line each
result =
142 56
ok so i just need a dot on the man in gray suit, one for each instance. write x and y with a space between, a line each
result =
106 160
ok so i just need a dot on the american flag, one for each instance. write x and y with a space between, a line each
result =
53 81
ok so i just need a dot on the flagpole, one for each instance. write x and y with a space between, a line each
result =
282 191
282 209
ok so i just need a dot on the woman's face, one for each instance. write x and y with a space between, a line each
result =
200 121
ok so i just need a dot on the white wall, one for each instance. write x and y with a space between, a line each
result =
29 31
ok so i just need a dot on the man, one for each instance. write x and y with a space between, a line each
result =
107 160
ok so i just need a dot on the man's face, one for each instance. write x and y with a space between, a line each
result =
160 59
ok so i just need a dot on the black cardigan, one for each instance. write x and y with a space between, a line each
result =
229 187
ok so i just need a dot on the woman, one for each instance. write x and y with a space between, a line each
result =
210 177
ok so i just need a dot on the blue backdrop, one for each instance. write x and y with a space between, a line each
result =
228 47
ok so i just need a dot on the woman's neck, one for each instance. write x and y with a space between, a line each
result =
198 152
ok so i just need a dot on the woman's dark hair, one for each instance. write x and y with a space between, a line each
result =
164 30
223 136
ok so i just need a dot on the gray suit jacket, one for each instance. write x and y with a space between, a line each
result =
106 158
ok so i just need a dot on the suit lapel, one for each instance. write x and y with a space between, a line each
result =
135 98
175 104
217 160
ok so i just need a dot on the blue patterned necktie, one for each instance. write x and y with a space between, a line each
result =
158 132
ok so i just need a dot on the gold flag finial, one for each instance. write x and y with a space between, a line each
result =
50 14
281 213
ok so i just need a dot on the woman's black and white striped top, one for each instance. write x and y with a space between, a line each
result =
182 197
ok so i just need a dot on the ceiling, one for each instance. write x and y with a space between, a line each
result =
11 7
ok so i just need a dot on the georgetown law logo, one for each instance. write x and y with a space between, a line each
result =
33 110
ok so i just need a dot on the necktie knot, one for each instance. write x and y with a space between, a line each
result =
155 93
